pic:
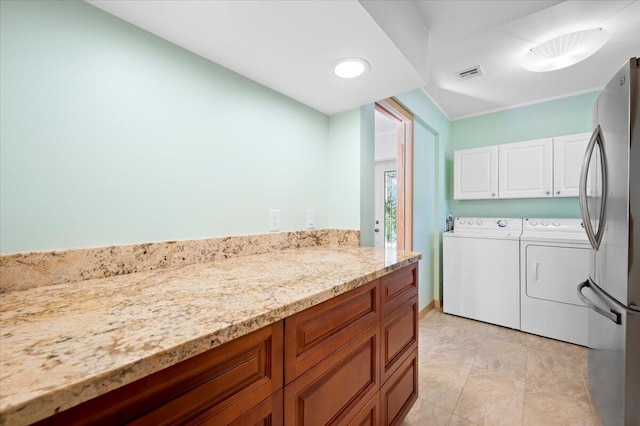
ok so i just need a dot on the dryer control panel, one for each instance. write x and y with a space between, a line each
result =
553 225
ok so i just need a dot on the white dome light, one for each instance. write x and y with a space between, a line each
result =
564 51
350 67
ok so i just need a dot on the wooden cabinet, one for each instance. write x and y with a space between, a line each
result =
353 367
475 173
568 153
217 386
348 361
525 169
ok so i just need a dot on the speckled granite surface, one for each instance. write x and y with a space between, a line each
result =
64 344
22 271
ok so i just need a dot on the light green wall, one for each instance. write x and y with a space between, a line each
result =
110 135
432 131
344 182
546 119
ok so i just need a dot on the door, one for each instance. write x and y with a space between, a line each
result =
386 208
403 120
525 169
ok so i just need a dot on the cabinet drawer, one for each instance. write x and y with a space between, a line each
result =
314 334
397 287
398 336
235 376
369 415
267 413
339 386
400 392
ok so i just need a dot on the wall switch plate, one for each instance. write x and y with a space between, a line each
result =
274 220
311 219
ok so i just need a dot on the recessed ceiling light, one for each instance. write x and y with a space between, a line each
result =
350 67
564 51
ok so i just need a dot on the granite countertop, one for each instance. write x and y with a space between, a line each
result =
64 344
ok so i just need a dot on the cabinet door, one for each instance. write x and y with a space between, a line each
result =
398 336
526 169
400 392
475 173
315 333
568 153
339 387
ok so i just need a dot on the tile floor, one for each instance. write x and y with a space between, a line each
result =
472 373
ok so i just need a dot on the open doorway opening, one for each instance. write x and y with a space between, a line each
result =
393 176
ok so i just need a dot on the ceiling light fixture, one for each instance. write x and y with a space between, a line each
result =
350 67
564 51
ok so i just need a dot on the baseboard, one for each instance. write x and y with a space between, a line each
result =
426 309
438 303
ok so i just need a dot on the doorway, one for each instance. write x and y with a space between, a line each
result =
393 176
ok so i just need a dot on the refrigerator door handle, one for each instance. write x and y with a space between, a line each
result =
614 316
595 237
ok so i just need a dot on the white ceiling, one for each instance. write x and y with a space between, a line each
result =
289 46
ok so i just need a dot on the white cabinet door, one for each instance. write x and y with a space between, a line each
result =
475 173
568 152
526 169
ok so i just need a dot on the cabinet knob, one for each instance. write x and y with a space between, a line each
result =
376 230
493 195
558 192
548 192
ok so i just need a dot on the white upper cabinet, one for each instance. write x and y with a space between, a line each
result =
568 152
526 169
475 173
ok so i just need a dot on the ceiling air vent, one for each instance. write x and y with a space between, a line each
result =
470 73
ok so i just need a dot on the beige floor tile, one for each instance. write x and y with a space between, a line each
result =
555 347
491 399
561 374
441 382
459 421
503 358
549 408
427 414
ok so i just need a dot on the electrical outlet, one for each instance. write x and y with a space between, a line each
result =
274 220
311 219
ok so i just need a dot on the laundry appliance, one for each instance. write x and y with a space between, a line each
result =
554 255
481 270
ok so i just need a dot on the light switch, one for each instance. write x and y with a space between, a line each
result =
311 219
274 220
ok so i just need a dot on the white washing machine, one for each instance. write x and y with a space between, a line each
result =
481 270
554 260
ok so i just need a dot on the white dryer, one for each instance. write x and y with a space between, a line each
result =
554 259
481 270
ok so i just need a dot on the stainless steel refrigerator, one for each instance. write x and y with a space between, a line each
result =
610 205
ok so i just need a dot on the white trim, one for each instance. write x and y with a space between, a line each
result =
390 132
435 103
539 101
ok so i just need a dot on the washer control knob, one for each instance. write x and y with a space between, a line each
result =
461 221
556 223
471 222
478 222
502 223
544 223
533 223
